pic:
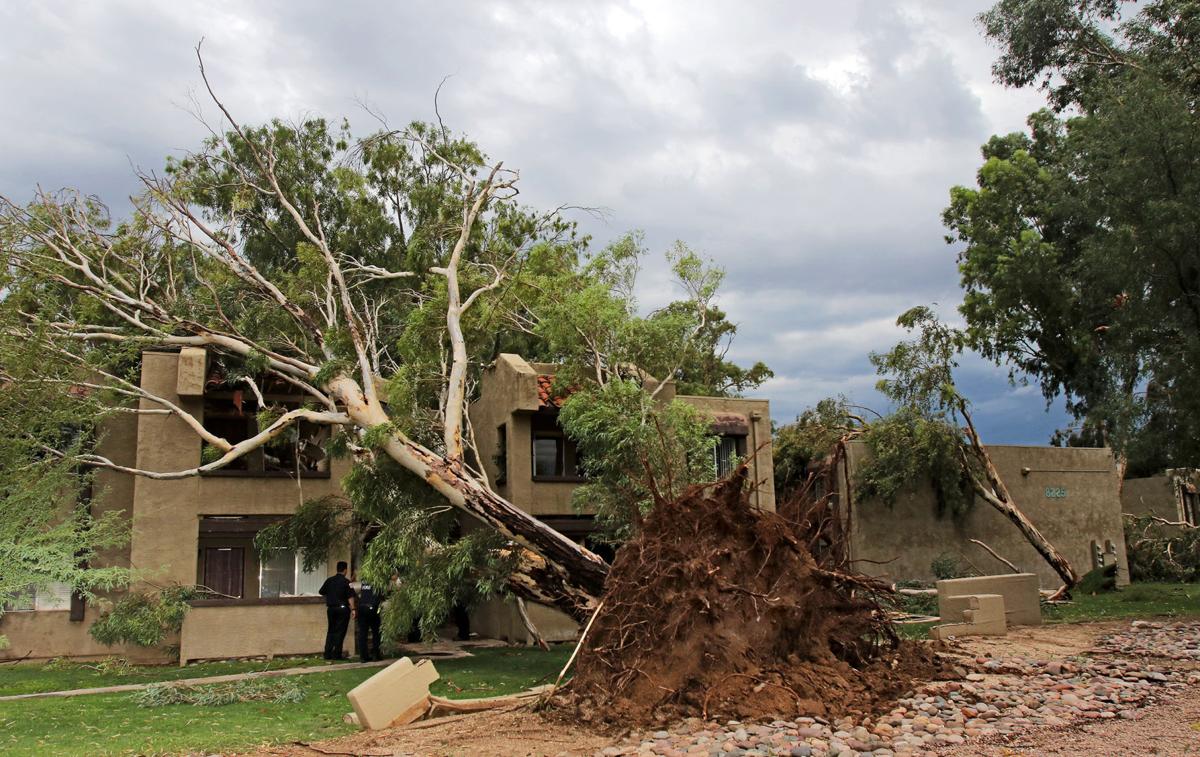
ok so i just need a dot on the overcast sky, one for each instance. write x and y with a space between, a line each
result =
808 148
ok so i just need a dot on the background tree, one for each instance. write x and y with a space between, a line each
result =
1080 264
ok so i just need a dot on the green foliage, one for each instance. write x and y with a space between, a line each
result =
1098 580
907 448
318 528
281 690
637 452
144 618
1161 553
810 439
420 552
946 566
52 522
1079 265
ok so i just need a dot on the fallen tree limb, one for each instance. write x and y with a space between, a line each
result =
529 626
439 706
574 654
993 553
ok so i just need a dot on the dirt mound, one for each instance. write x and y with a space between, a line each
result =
719 610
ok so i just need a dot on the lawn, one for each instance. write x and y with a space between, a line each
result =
27 679
1141 600
112 724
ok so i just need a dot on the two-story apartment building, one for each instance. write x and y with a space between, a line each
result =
199 530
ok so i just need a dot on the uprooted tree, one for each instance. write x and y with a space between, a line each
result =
930 436
373 278
919 378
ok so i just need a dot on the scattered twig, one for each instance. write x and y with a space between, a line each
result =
993 553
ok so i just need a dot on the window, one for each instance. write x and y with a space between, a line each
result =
547 456
282 574
301 448
53 596
555 455
501 458
727 453
1191 507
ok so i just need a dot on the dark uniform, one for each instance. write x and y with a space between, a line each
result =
367 623
337 593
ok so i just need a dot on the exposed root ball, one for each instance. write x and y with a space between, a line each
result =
719 610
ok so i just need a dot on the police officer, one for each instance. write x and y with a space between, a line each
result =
367 623
339 608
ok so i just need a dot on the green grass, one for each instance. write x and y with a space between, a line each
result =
105 724
1142 600
27 679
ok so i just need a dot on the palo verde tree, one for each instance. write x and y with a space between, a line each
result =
1079 263
918 376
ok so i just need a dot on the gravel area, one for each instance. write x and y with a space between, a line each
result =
1001 700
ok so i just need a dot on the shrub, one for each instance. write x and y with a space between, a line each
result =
1158 554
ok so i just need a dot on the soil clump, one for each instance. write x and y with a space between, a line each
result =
719 610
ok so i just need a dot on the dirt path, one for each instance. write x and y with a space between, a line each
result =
1170 725
1171 728
508 732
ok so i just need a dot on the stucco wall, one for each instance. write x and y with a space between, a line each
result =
758 443
46 634
43 634
900 542
1154 495
166 514
255 630
499 619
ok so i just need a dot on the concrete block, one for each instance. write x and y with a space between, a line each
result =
1022 603
980 615
193 366
396 695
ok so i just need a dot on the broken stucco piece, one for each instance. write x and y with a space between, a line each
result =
396 695
192 364
1022 603
981 615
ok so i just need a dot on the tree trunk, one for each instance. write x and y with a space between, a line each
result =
996 494
555 571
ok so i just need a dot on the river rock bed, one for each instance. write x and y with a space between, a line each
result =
996 699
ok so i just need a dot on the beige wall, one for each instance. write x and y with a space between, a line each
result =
498 619
165 523
254 631
40 634
758 443
1154 495
166 514
900 542
508 396
44 634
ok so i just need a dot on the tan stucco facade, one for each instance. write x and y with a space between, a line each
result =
218 632
165 533
1070 494
166 516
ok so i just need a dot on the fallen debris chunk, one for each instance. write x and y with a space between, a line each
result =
396 695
